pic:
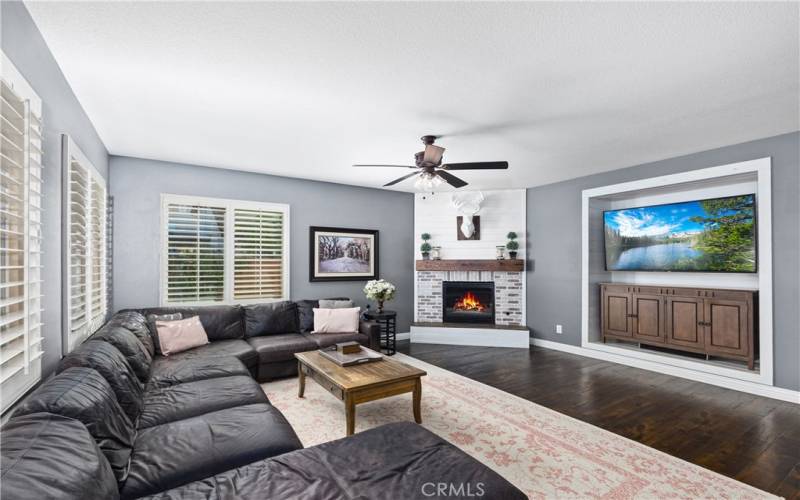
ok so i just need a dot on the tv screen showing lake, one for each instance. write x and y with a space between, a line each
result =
716 235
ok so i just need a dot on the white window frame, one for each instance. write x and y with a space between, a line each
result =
16 382
229 205
71 150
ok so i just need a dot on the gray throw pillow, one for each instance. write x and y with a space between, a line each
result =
335 304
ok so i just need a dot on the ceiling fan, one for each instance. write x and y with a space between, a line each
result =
430 171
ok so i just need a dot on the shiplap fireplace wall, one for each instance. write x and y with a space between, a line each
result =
502 211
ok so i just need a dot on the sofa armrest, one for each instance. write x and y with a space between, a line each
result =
373 330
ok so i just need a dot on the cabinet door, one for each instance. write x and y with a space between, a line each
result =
648 320
727 327
684 318
617 312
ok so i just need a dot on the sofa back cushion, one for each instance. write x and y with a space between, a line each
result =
130 347
270 319
52 456
219 322
137 324
83 394
112 365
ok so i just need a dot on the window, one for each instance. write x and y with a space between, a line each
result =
84 232
223 251
20 235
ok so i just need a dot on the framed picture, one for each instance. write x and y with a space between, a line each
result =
340 254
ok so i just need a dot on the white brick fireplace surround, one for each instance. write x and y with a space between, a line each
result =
501 211
508 294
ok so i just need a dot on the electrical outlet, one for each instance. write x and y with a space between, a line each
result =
559 330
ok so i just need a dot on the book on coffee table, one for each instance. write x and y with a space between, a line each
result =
363 356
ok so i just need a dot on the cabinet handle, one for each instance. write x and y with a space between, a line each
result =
704 323
633 315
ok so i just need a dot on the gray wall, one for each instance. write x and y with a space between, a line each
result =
554 231
137 185
62 114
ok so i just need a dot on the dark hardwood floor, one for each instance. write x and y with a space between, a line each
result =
750 438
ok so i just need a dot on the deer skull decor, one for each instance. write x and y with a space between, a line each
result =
468 205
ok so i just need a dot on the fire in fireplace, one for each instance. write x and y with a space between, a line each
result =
468 302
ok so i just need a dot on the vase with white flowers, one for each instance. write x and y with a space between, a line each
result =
380 291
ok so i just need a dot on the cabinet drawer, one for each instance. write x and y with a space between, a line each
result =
326 384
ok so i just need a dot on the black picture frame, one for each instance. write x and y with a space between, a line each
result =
314 273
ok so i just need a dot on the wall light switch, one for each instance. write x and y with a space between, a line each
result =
559 330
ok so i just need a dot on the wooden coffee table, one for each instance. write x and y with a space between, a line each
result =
361 383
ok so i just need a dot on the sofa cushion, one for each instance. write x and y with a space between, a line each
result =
305 314
112 365
329 339
177 370
169 455
130 347
178 402
137 324
220 322
235 347
270 319
401 460
83 394
51 456
282 347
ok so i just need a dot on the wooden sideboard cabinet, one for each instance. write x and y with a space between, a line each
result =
710 321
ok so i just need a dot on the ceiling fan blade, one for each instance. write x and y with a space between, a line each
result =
433 154
451 179
398 166
412 174
479 165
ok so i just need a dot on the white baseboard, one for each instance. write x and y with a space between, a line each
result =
486 337
404 336
708 378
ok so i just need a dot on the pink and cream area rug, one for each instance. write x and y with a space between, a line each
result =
542 452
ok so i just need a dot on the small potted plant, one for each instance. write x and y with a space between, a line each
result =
380 291
512 245
425 248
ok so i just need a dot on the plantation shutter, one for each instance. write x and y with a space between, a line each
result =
195 253
20 236
223 251
258 254
85 287
97 250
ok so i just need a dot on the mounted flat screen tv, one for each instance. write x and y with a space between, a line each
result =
711 236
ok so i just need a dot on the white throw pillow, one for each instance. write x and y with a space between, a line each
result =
180 335
343 320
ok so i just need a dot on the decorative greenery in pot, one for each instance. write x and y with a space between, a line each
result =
425 248
512 245
380 291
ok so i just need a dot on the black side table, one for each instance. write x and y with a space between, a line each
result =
388 323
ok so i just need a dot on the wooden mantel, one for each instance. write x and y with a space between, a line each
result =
506 265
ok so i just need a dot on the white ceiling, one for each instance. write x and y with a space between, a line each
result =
559 90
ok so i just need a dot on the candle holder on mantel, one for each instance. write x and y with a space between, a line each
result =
436 253
501 252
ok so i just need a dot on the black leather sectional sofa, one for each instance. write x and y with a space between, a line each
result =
120 421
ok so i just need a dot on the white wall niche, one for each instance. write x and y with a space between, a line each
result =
727 180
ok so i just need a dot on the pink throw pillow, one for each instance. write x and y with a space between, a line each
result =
180 335
344 320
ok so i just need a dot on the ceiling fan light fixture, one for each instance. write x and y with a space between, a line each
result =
427 182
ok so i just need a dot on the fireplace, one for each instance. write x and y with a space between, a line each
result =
468 302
